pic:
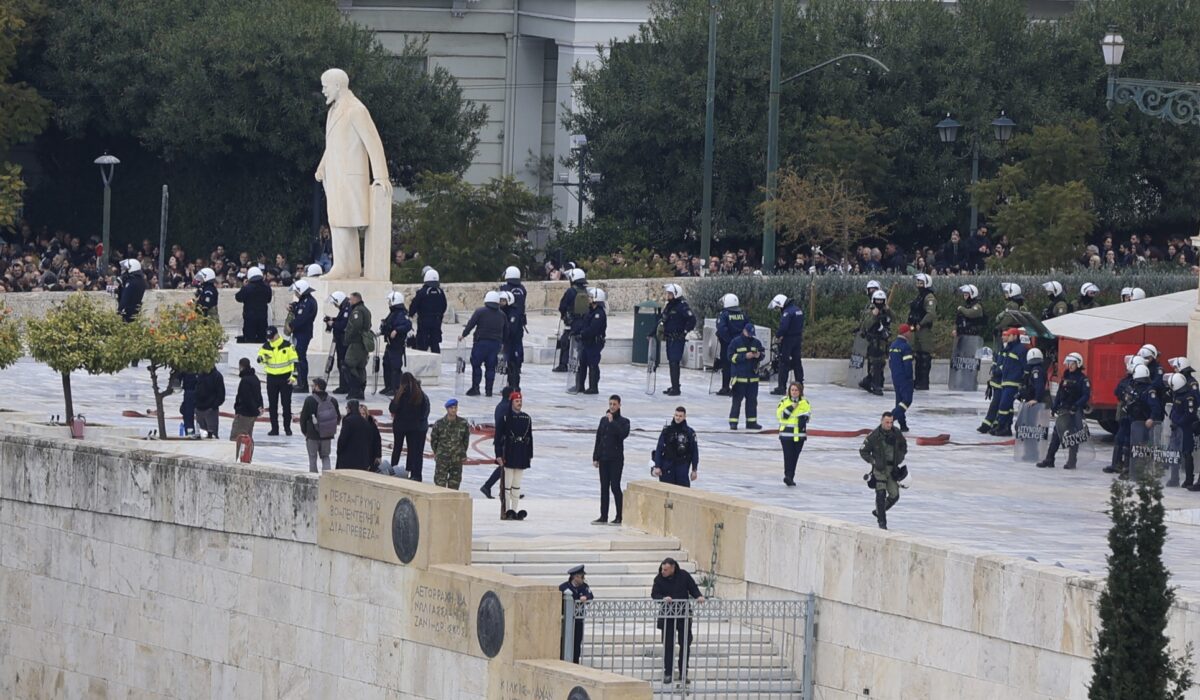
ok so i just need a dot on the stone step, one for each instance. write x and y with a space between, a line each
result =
645 568
597 582
575 556
603 542
765 665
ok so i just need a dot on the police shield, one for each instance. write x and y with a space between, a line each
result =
964 363
1032 432
460 370
1073 431
574 360
858 361
1145 450
1172 453
652 366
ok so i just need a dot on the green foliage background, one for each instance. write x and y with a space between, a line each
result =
23 111
220 100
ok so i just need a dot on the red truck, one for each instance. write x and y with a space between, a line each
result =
1105 335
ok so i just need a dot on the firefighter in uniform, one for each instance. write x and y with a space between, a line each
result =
922 313
875 326
675 323
900 361
279 359
1057 306
729 326
1074 392
745 352
1012 369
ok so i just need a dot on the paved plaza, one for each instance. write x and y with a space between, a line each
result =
970 492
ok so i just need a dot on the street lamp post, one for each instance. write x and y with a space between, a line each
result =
709 127
1178 103
773 123
578 144
107 164
1002 131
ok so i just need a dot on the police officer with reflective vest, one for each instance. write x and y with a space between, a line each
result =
875 326
1074 392
429 308
922 313
304 311
572 309
207 294
729 326
1087 297
1057 305
394 330
514 348
279 359
1183 426
677 451
1033 382
675 323
336 324
744 352
900 362
1012 369
791 341
591 334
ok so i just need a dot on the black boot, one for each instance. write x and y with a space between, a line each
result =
903 425
1115 466
1072 452
923 364
1048 462
1189 467
880 511
674 390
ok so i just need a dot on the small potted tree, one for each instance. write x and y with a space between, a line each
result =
178 339
81 333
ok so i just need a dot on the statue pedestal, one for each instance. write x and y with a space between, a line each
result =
374 296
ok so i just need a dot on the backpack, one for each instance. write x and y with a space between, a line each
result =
326 418
582 302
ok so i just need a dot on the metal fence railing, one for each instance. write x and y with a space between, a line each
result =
756 649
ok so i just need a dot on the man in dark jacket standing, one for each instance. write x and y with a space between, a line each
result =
305 315
514 347
675 588
133 289
677 450
576 583
429 308
354 442
210 394
591 333
608 455
490 324
394 332
572 309
357 353
676 322
255 297
248 404
954 257
884 449
337 325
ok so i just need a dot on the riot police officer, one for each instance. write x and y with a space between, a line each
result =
1132 294
132 290
1183 423
255 298
337 325
207 294
591 334
791 342
1013 301
675 323
1120 453
1057 305
1182 366
490 326
304 311
729 326
1087 297
1143 403
514 348
922 313
1033 382
394 330
1149 353
429 307
875 326
572 309
968 317
1074 392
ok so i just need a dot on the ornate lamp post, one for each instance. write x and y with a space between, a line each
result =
1178 103
1002 131
107 164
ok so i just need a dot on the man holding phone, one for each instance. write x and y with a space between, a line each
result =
608 456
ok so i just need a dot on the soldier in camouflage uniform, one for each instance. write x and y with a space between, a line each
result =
449 441
922 312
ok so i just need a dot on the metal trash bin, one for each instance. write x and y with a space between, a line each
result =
645 321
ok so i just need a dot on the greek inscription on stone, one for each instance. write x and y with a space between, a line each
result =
519 690
353 515
442 611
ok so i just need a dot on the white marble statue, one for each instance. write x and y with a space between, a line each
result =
355 175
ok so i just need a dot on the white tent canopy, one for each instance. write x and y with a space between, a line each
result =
1165 310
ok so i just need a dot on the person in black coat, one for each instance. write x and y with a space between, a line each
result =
374 438
675 584
576 583
608 456
248 404
394 331
955 257
354 442
255 297
498 417
210 394
410 423
132 290
514 452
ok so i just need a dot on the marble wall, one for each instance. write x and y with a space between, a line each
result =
137 574
897 615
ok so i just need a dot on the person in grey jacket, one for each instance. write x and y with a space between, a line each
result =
490 325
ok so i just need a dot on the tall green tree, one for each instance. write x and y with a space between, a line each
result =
23 111
1043 202
1132 660
220 99
470 233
